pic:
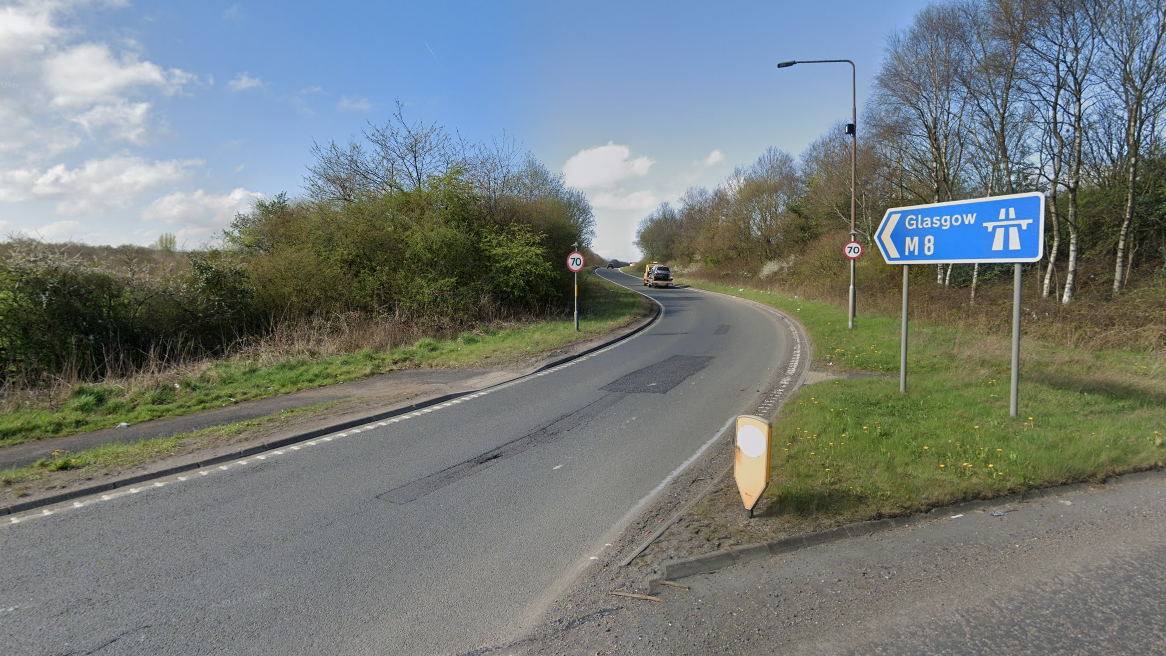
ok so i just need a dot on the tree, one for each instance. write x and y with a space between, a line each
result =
167 242
1134 71
923 101
1061 43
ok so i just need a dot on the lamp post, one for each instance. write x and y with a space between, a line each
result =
851 129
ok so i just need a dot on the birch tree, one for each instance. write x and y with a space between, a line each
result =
1133 36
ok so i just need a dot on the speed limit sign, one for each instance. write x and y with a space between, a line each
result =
575 261
853 250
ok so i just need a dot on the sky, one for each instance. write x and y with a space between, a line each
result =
121 121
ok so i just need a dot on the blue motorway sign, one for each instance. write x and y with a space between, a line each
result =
996 229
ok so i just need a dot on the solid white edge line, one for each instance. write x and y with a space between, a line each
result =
627 518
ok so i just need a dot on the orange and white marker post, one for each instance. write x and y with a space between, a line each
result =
752 467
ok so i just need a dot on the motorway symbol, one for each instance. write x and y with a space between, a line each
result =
852 250
997 229
575 261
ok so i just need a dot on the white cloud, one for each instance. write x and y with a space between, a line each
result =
714 157
234 13
634 201
127 120
243 81
59 231
95 186
354 104
604 165
25 29
89 73
200 213
300 100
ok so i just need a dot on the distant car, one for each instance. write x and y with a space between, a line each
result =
611 265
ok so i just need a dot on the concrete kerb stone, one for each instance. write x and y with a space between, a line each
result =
20 507
716 560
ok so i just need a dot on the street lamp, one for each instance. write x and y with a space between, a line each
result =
852 130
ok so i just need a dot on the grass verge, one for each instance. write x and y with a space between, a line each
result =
603 307
855 449
63 468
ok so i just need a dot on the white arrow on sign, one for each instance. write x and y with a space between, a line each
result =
893 252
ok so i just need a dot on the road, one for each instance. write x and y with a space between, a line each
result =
1071 571
445 532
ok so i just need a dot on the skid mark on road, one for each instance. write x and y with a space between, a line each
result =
545 435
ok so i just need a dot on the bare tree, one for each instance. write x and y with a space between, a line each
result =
994 36
1133 38
400 156
1061 43
920 85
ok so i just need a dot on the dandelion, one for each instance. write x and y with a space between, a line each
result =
926 448
990 465
941 466
1001 450
977 427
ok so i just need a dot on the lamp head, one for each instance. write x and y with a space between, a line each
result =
786 64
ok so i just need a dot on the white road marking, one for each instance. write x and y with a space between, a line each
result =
556 467
627 518
417 413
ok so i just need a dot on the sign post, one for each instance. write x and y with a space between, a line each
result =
575 263
752 465
1000 229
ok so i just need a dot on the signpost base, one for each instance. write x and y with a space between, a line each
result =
1013 395
903 337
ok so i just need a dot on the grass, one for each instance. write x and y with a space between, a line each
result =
65 466
603 307
855 449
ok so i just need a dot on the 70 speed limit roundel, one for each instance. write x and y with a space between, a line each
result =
853 250
575 261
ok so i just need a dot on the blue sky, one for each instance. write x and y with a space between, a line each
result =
120 121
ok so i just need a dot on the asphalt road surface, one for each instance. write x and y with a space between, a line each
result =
443 532
1076 572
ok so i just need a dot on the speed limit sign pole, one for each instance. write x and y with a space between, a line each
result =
852 250
575 264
